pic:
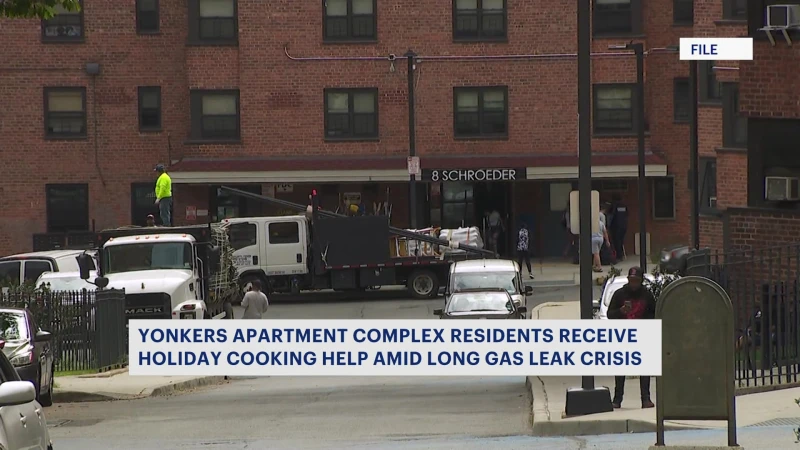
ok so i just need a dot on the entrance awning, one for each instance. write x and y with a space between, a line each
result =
394 169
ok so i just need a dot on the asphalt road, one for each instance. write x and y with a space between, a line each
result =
314 412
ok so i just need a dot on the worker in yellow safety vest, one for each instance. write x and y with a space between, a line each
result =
164 195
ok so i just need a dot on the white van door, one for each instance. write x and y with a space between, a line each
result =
286 247
244 240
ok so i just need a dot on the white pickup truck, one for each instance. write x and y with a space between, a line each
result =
178 273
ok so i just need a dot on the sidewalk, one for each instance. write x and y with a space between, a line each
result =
549 399
119 385
559 272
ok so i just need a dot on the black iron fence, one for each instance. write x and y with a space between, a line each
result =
764 287
88 327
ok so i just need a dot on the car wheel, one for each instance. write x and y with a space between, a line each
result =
46 399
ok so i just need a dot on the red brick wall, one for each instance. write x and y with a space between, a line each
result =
282 101
770 87
712 233
756 229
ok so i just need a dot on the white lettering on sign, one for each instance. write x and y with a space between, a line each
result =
716 49
474 175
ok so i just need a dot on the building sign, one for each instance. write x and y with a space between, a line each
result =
438 175
284 188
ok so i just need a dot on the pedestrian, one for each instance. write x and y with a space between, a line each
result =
151 221
164 195
255 303
597 244
523 252
632 301
618 226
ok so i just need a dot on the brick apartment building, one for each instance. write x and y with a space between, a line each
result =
285 96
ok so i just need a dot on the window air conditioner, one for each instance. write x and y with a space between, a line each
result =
783 16
780 189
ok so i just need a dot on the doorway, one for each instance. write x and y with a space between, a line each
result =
554 202
465 204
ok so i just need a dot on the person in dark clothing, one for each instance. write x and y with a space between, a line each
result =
632 301
618 227
523 248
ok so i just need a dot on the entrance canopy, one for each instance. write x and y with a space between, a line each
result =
394 169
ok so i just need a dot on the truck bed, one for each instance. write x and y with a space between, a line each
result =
408 261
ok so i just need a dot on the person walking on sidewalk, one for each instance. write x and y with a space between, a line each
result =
164 195
255 302
632 301
522 248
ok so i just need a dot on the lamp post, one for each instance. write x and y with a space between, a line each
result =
412 139
694 180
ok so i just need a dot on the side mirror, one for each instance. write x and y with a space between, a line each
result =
13 393
523 309
528 290
43 336
101 282
85 264
438 312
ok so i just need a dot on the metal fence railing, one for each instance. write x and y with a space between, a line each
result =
764 287
88 327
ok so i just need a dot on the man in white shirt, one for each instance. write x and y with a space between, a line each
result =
255 303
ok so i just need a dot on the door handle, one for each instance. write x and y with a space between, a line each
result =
255 260
299 257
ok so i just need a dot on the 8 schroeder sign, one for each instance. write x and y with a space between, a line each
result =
474 175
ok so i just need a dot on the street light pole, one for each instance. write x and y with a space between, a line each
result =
412 139
638 49
694 180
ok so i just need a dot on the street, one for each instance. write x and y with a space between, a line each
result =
305 412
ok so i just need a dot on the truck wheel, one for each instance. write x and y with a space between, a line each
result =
423 284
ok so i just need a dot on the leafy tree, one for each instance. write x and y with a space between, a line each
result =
41 9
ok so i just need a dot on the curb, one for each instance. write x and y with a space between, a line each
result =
159 391
543 426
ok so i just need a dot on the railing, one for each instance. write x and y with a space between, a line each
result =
764 287
88 327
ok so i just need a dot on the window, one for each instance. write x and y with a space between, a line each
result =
284 233
683 12
143 198
681 101
734 9
35 268
349 20
664 198
351 113
215 115
65 112
479 19
10 272
708 184
149 108
617 17
64 26
242 235
613 109
481 112
67 207
147 20
710 88
213 22
734 123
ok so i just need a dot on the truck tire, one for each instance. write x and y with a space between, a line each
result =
423 284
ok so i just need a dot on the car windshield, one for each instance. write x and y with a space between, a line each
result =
149 256
473 302
486 280
12 326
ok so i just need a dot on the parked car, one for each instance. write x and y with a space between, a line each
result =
674 259
611 286
27 267
22 421
481 304
487 274
29 349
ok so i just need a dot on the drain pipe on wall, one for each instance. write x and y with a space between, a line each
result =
93 69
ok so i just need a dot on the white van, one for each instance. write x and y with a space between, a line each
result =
27 267
488 274
66 281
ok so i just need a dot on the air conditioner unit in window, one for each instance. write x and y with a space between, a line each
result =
783 16
712 202
782 189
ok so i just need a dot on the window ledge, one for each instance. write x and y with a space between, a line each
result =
196 43
81 40
681 122
211 141
503 137
682 24
66 138
612 134
663 219
148 33
619 35
713 103
477 40
731 149
711 213
353 139
371 41
150 130
731 22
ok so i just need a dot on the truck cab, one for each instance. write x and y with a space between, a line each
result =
270 249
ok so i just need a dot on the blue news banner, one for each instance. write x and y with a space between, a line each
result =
395 347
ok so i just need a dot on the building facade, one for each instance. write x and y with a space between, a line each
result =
286 97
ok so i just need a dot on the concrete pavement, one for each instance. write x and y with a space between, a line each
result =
549 400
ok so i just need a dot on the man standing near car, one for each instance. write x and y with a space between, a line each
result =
633 301
164 195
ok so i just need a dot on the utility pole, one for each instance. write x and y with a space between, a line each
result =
694 176
412 138
638 49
